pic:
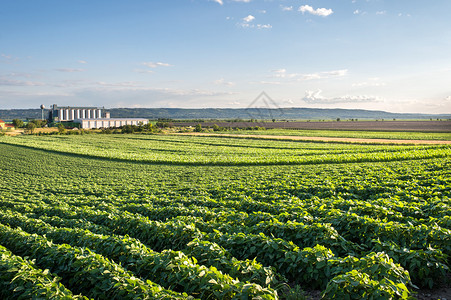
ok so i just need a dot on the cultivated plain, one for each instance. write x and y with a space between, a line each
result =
175 216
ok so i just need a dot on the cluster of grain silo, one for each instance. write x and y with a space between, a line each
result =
69 114
90 117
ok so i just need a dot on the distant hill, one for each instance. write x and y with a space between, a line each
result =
240 113
9 114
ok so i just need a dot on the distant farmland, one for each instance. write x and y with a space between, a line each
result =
421 126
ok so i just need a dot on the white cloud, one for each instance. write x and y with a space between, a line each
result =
257 26
269 82
244 1
282 73
143 71
218 1
72 83
12 82
163 65
316 98
249 19
82 62
335 73
156 64
382 12
30 99
223 82
19 74
69 70
359 12
192 92
286 8
371 82
448 98
121 94
136 86
263 26
323 12
7 58
119 84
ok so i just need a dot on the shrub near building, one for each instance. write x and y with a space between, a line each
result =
18 123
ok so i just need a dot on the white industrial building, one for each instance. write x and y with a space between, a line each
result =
90 117
109 122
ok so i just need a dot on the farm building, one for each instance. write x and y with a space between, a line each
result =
4 126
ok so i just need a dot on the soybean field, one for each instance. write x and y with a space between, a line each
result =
194 217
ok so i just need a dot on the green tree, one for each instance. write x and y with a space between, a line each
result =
128 129
149 127
18 123
61 128
39 123
31 127
161 124
198 128
216 127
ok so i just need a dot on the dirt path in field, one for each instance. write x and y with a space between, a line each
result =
326 139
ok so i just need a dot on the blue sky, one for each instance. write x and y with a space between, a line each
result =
367 54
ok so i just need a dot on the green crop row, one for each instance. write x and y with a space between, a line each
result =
320 225
350 134
425 266
82 270
21 279
222 150
176 234
425 269
244 246
207 253
171 269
